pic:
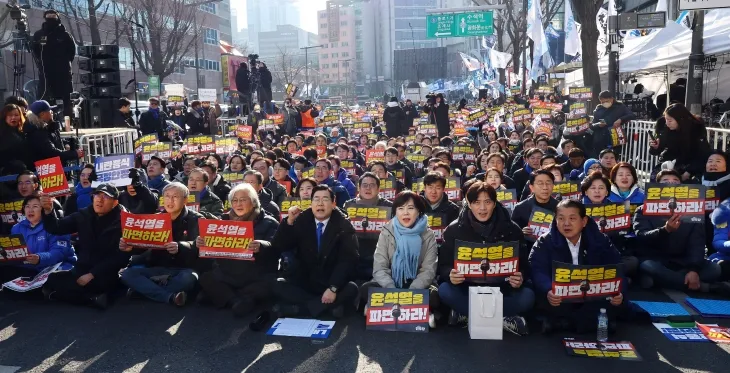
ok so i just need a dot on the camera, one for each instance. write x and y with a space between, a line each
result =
252 59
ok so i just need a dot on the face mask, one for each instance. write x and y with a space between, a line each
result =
53 21
607 105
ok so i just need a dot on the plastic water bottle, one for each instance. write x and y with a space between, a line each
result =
602 326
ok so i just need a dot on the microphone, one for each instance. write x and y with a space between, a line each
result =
484 266
672 205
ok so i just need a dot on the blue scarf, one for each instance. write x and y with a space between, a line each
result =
83 196
157 183
407 250
155 113
204 193
528 169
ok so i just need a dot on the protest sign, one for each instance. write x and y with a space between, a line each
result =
226 239
292 201
580 93
539 223
578 110
207 95
350 165
307 172
175 93
437 223
688 200
610 217
52 178
267 125
150 231
225 145
428 129
200 144
21 285
244 132
330 120
113 169
501 258
542 128
146 139
508 198
307 328
415 158
13 248
544 90
388 188
287 185
464 153
714 333
618 136
372 155
276 118
681 334
11 211
568 190
581 283
368 221
360 128
541 111
577 126
711 199
291 90
233 178
397 310
321 152
603 350
161 149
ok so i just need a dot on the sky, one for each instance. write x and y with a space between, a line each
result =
307 12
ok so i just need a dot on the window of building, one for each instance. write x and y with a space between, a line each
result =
210 36
324 56
335 55
334 65
343 23
358 55
344 44
125 58
323 15
345 54
344 33
322 25
209 7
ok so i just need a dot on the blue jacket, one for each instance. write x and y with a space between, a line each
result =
636 195
721 236
50 248
344 178
595 249
341 194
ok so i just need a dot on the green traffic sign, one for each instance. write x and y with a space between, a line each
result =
460 24
154 84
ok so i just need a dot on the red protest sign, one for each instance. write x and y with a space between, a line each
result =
225 239
277 118
244 132
374 155
151 231
321 152
53 180
13 248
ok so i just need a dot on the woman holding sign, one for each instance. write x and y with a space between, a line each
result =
485 221
240 284
406 252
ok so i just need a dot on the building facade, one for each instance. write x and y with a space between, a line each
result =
266 15
337 56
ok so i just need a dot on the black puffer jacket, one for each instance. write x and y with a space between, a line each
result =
690 158
393 117
211 206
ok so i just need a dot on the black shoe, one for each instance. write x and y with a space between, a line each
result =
547 327
133 295
338 312
48 294
241 308
100 301
260 322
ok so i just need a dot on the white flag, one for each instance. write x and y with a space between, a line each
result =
471 63
573 44
499 60
536 32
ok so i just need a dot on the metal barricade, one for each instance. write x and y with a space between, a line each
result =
107 141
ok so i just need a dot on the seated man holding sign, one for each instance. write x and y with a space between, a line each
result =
326 249
484 223
169 272
99 229
574 242
241 282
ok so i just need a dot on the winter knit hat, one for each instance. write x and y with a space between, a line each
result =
587 165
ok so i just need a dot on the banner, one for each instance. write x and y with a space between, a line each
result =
292 201
200 144
388 188
577 126
226 239
522 115
207 95
452 190
568 190
368 221
160 149
350 165
611 217
113 169
501 258
52 178
150 231
464 153
330 120
244 132
675 334
714 333
603 350
580 93
229 67
508 198
581 283
397 310
13 248
360 128
415 158
666 200
372 155
21 286
225 145
146 139
437 223
267 125
542 128
711 199
11 212
276 118
460 129
618 137
539 223
233 178
307 172
428 129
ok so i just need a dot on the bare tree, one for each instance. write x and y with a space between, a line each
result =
245 47
586 11
86 17
287 67
168 36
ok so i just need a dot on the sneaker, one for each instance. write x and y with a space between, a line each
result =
179 299
432 321
516 325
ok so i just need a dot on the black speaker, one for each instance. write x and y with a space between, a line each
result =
99 112
99 51
100 79
102 92
99 65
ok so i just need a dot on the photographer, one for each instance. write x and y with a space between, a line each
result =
43 135
54 49
438 113
292 118
138 198
264 91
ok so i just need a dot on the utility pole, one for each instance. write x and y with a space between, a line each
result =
339 80
696 65
613 47
306 67
524 51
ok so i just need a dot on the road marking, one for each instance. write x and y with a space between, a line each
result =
136 368
8 369
50 361
267 349
173 329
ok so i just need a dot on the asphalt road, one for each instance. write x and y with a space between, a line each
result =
141 336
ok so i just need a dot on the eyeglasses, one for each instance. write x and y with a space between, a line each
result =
368 185
173 197
242 200
542 184
321 200
196 180
103 196
26 183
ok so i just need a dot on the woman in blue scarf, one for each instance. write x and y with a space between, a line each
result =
405 256
81 198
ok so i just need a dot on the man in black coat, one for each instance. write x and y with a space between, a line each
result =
243 86
325 249
610 113
43 136
265 94
438 114
138 198
99 229
153 120
393 116
216 183
411 113
437 202
54 50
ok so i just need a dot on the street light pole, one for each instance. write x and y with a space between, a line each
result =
306 65
339 80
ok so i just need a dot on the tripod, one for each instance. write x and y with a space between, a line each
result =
21 45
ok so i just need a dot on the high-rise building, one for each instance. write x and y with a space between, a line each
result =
265 15
285 39
337 57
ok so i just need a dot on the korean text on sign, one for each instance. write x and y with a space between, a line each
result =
502 258
150 231
437 223
689 199
412 305
226 239
289 202
13 248
611 350
577 283
368 220
51 176
114 169
539 223
610 217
